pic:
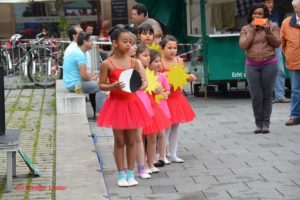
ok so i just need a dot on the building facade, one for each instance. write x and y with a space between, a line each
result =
29 17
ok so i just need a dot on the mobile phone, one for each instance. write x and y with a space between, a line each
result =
260 21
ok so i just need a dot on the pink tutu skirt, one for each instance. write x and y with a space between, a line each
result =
145 100
163 105
159 122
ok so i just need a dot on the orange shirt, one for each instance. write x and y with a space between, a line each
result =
290 44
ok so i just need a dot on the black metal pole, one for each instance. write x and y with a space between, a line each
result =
2 100
2 103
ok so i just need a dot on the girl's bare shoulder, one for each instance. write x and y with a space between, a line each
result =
107 65
135 63
106 62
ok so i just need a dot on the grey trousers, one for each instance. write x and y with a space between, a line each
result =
261 81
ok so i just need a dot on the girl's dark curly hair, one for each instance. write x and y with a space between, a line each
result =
165 39
256 6
115 32
153 55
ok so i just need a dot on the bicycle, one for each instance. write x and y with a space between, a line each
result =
45 65
4 60
34 60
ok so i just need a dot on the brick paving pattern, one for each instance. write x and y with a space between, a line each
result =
33 112
224 159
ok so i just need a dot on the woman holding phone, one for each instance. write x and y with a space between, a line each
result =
260 38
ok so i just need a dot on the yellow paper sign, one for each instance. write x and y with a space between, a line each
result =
158 98
155 47
152 81
177 76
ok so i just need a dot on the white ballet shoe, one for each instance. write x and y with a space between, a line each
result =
176 160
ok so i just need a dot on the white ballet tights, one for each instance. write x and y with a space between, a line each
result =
172 133
167 134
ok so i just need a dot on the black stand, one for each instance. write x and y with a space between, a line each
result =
9 142
2 105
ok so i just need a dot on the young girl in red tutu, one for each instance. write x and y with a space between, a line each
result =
122 111
179 107
160 120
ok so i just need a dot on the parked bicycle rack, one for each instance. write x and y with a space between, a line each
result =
40 61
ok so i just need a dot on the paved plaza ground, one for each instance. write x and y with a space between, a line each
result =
224 159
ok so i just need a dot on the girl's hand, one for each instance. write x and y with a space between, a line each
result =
144 85
158 90
118 85
165 94
191 78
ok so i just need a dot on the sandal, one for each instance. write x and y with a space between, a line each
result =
159 163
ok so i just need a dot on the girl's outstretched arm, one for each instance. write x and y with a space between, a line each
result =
192 77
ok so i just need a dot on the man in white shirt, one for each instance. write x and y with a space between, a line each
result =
96 97
73 33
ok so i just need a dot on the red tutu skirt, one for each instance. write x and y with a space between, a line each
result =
122 114
159 122
179 107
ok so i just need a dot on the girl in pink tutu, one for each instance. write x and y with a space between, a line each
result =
163 91
179 107
122 111
160 120
142 55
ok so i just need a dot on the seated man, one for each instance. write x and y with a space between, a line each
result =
75 70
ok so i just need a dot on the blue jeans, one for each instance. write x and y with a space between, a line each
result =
295 95
92 87
279 87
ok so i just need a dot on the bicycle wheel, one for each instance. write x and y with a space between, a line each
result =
43 70
4 63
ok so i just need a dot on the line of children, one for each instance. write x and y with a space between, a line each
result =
131 115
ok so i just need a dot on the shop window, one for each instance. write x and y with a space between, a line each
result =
193 17
31 17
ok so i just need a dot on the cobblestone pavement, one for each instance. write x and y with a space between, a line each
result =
33 112
224 159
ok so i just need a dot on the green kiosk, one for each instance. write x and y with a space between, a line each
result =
223 62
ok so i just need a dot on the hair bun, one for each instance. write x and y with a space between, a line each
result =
111 30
